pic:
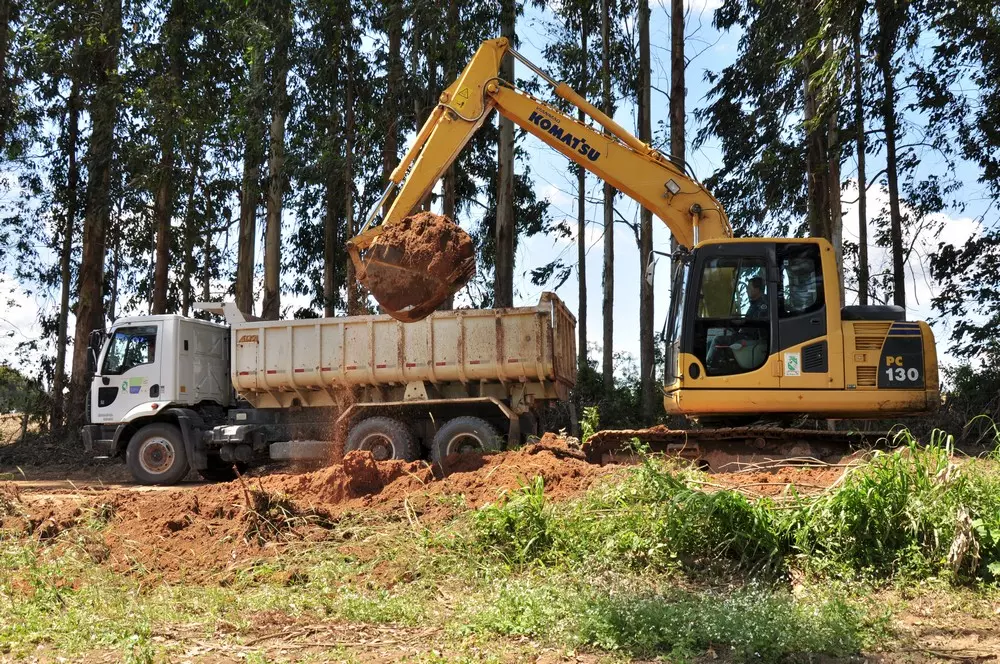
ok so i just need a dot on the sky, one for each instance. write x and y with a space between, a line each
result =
707 50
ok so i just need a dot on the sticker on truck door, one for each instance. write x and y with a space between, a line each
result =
901 365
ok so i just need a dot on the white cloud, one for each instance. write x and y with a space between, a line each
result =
19 313
920 288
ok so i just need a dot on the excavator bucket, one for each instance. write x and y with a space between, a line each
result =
409 294
412 267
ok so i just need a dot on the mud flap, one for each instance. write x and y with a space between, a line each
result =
189 423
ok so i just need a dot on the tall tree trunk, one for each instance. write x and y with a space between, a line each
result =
332 210
859 120
647 365
206 248
70 200
677 66
817 159
503 280
250 191
836 228
9 10
191 231
354 306
888 13
391 106
581 215
100 153
162 213
271 307
450 181
331 223
608 302
163 205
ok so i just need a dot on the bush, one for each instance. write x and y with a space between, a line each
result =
911 513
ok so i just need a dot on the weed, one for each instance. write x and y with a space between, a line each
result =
269 516
914 512
590 423
517 529
751 624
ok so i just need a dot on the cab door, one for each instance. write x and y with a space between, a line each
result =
731 327
809 355
129 373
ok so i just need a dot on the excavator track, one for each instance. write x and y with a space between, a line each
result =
728 449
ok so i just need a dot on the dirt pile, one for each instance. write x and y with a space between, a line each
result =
419 261
205 532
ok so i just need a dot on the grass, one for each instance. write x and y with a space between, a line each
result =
648 566
911 513
631 617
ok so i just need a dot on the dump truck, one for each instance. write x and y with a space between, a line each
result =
174 393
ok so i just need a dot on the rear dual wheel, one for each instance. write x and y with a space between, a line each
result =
464 435
384 437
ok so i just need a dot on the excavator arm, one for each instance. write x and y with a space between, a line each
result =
616 156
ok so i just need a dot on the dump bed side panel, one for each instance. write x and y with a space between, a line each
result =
308 356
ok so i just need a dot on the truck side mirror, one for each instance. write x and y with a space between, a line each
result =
91 361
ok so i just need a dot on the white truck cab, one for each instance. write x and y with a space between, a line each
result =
164 370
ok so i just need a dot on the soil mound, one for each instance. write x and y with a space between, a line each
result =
205 532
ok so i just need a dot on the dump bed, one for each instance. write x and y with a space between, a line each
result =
308 362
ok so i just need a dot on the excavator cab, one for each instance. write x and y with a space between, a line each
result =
756 327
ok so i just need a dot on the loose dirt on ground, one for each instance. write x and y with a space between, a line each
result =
202 531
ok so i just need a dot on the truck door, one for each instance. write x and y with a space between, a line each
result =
129 373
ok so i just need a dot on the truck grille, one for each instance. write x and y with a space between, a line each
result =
870 336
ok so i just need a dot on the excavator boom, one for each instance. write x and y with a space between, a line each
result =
614 155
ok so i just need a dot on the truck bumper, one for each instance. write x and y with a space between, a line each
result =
98 439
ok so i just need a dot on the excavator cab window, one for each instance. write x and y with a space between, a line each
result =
732 328
675 322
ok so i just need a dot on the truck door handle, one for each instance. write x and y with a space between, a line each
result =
105 380
814 321
154 391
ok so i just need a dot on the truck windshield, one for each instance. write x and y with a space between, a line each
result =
129 348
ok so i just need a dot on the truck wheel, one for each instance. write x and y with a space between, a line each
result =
384 437
464 435
156 454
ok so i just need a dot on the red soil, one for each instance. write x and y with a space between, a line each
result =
204 532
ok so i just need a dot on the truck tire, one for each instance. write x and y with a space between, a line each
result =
464 435
384 437
156 454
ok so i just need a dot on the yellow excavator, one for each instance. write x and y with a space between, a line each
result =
756 326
